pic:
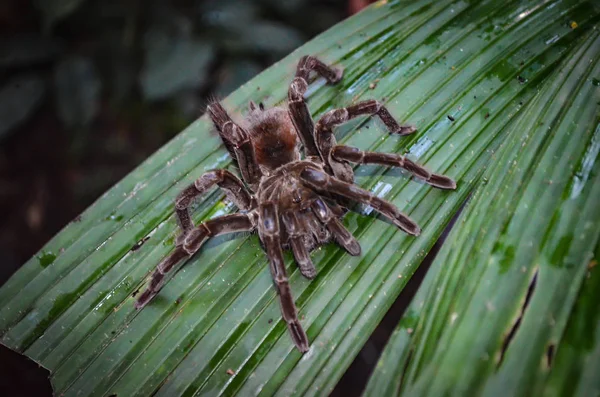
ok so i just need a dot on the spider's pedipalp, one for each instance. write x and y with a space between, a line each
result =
322 182
295 233
344 238
341 235
318 229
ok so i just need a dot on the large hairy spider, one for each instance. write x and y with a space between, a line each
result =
294 203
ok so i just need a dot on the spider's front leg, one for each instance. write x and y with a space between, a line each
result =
269 232
297 105
326 140
322 182
191 244
233 187
355 155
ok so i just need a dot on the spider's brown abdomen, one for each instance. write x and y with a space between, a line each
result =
293 204
274 138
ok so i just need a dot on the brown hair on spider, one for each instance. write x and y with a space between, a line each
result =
273 137
293 202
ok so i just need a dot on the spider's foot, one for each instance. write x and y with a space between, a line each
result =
339 73
406 224
144 298
442 182
309 272
298 336
353 248
405 130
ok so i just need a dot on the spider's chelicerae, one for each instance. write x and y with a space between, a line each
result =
293 203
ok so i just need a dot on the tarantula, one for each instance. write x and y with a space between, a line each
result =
294 203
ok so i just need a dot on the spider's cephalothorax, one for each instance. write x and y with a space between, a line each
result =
293 203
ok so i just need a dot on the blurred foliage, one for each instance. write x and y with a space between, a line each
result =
107 82
19 98
122 52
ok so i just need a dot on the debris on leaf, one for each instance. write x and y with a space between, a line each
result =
373 84
139 244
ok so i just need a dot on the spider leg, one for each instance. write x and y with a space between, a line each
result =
321 181
317 229
309 63
237 141
326 140
342 236
268 229
298 108
295 231
358 156
192 243
227 181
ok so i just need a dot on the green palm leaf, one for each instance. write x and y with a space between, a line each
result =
514 285
215 328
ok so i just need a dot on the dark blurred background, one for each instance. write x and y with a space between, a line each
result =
91 88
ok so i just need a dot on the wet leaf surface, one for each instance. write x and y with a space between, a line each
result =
513 285
215 328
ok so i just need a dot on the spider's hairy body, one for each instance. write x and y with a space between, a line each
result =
274 138
284 186
293 203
